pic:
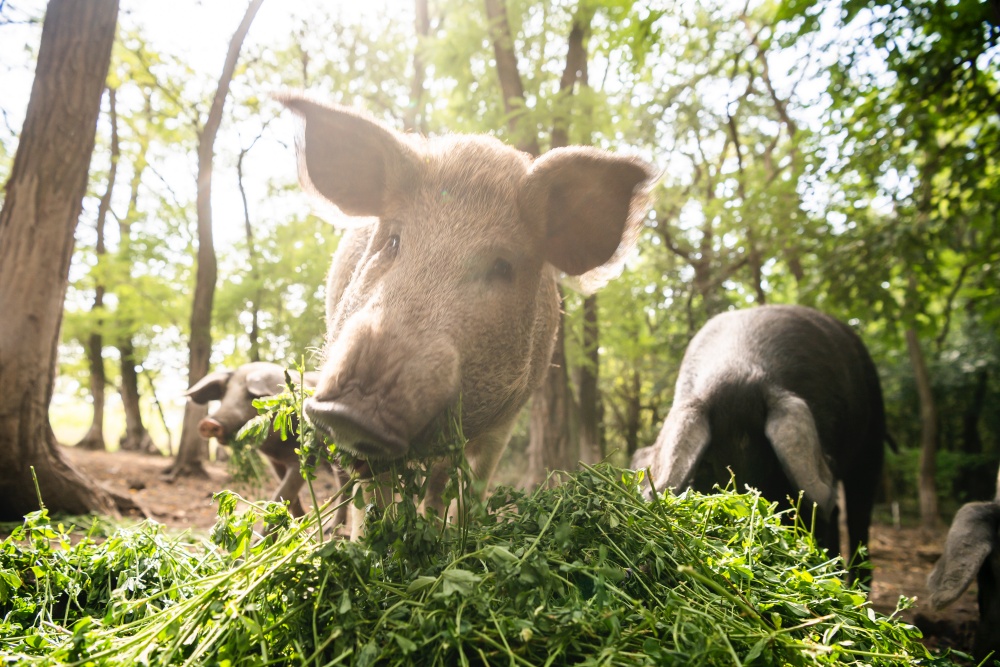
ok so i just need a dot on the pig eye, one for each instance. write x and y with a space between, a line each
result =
502 270
392 243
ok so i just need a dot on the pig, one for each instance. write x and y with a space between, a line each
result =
789 399
236 390
972 549
445 291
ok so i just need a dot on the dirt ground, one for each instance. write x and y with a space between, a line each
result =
903 557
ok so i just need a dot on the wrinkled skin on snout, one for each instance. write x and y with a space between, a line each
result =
445 295
789 399
972 550
235 390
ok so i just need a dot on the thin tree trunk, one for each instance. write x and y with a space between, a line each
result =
253 306
415 118
553 442
591 440
927 488
94 439
44 197
193 449
510 77
136 438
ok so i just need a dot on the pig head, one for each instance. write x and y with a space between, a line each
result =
235 390
445 295
787 398
972 550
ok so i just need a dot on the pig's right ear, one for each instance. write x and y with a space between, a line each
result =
209 388
350 160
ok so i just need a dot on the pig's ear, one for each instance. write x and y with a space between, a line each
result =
348 159
591 203
209 388
973 536
265 382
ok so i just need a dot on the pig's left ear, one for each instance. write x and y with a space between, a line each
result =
591 203
266 382
209 388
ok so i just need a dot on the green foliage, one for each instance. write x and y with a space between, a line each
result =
586 573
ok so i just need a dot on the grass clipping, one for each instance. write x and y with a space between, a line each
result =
587 573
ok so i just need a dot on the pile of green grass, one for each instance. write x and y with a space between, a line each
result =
584 573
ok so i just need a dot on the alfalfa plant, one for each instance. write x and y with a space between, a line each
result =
585 573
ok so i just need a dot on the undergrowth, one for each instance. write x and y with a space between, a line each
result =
586 573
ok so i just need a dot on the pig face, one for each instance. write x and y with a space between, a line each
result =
447 296
235 390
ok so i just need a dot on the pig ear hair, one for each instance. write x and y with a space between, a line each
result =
591 203
679 448
209 388
265 381
792 431
974 534
348 158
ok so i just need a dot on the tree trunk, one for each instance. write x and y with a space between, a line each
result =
193 449
633 415
927 489
254 306
94 439
136 437
972 442
553 442
510 77
415 119
44 198
589 396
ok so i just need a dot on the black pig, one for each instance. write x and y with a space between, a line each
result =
786 397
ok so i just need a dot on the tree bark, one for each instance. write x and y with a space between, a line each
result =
193 449
588 392
510 77
136 438
94 439
44 198
927 489
553 442
415 118
254 306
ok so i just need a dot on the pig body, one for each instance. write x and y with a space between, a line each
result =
972 550
235 390
786 397
445 296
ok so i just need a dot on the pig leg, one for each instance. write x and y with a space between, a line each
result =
343 479
291 484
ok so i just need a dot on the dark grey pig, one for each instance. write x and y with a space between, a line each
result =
235 390
789 399
972 549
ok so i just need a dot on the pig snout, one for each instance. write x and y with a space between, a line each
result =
378 393
209 428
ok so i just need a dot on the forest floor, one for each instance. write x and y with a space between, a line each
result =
903 557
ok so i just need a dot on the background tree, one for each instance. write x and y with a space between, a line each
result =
193 448
36 244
